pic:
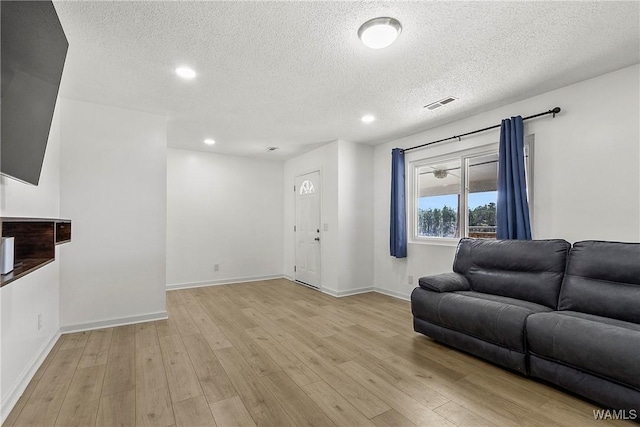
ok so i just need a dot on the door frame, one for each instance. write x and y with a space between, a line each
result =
295 216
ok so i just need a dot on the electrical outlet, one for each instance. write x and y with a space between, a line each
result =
39 321
410 280
216 267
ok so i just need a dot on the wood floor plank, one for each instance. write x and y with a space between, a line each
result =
208 328
401 402
300 373
375 326
322 312
302 410
47 361
231 412
80 406
45 402
96 351
364 400
20 404
179 313
193 412
267 323
341 412
166 327
124 335
324 348
75 340
146 335
388 372
153 401
213 379
392 418
121 369
461 416
252 353
367 340
259 401
117 410
182 379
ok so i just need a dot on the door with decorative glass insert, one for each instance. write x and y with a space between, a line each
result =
307 229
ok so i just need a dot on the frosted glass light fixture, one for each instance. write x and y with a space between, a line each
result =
378 33
185 72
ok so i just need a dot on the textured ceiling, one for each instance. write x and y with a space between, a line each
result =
295 75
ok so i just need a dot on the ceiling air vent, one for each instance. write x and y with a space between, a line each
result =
272 148
440 103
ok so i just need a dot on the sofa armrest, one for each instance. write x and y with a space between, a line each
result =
447 282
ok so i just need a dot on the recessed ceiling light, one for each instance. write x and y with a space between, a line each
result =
367 119
379 32
209 141
185 72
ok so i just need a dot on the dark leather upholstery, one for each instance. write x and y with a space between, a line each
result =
603 278
503 356
500 321
607 393
447 282
593 344
531 270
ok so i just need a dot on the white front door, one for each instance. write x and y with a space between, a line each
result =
307 229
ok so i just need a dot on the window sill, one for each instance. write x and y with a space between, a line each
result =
435 242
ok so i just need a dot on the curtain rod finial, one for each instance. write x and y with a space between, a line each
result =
556 111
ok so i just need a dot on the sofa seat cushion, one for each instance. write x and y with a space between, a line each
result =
605 347
498 320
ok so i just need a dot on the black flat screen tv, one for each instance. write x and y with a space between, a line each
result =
33 51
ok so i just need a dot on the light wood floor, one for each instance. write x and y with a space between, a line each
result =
277 354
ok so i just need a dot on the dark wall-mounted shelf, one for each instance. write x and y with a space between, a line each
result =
34 245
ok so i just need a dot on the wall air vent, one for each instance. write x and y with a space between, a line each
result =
440 103
272 148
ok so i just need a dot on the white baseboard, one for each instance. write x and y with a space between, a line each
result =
393 294
174 286
110 323
348 292
10 399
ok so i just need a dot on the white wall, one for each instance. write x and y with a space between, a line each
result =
23 346
224 210
586 171
113 188
355 216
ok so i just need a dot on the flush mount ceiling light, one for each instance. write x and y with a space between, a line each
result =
368 118
185 72
379 32
209 141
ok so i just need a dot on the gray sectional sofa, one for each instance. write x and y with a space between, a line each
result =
567 315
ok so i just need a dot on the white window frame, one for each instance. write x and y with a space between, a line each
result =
463 156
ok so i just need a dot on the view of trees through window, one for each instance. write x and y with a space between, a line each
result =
438 215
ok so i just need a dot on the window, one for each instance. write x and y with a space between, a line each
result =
307 187
455 196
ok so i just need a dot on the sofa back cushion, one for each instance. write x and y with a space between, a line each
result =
603 278
530 270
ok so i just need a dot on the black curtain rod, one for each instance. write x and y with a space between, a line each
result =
553 111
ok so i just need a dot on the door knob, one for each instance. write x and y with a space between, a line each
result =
317 239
